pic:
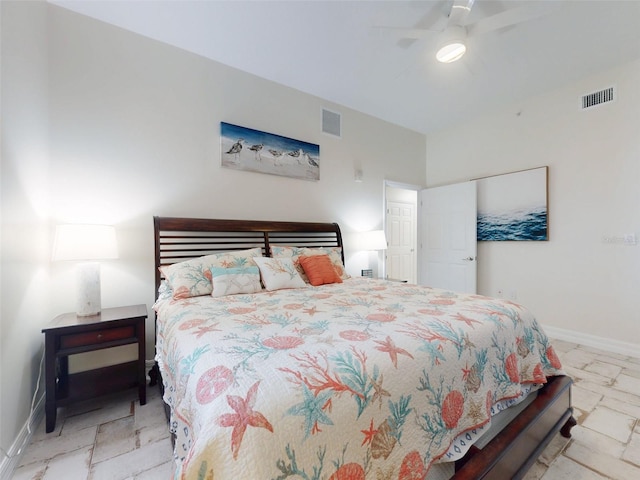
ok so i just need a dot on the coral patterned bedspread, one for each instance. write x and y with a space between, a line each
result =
366 379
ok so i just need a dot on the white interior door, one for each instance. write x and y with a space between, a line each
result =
401 235
448 237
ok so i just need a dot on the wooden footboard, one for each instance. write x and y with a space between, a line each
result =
512 452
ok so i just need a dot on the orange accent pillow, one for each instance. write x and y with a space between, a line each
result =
319 270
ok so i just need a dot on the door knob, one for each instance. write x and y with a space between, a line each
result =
469 259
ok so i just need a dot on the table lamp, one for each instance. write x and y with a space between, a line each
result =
86 244
373 240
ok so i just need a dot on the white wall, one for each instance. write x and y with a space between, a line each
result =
575 281
24 242
133 131
134 127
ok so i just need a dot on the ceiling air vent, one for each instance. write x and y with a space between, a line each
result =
598 98
331 122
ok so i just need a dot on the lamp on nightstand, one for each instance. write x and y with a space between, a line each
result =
374 240
86 244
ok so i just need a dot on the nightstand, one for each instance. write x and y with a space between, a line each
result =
69 334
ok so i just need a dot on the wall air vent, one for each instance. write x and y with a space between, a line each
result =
598 98
331 123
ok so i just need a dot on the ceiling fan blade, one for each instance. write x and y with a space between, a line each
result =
407 32
510 17
430 24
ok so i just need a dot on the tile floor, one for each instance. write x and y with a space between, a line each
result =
113 438
116 439
606 399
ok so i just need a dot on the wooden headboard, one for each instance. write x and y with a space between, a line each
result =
179 239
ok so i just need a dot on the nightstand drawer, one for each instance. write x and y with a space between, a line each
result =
97 337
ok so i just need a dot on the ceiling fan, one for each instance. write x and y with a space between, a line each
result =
452 40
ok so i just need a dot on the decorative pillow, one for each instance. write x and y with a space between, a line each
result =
193 277
335 254
231 281
319 269
279 273
164 291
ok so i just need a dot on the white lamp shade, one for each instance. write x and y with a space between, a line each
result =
84 242
374 240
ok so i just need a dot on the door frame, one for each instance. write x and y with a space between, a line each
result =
404 186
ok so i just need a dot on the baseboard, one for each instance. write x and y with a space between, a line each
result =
607 344
10 463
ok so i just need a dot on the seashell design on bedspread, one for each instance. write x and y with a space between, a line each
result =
364 379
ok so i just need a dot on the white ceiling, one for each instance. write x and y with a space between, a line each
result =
334 50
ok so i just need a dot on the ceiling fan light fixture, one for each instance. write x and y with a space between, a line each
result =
451 52
452 44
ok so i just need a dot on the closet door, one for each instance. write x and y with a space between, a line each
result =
448 237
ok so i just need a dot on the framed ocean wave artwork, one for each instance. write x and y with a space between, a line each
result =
255 151
514 206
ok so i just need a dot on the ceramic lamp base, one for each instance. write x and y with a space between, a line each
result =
88 278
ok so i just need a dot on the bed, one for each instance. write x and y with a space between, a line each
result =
353 378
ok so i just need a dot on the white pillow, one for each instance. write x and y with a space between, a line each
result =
232 281
279 273
192 278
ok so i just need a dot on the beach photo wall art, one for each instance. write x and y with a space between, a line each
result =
255 151
514 206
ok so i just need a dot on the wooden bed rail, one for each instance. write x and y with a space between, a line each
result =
514 450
